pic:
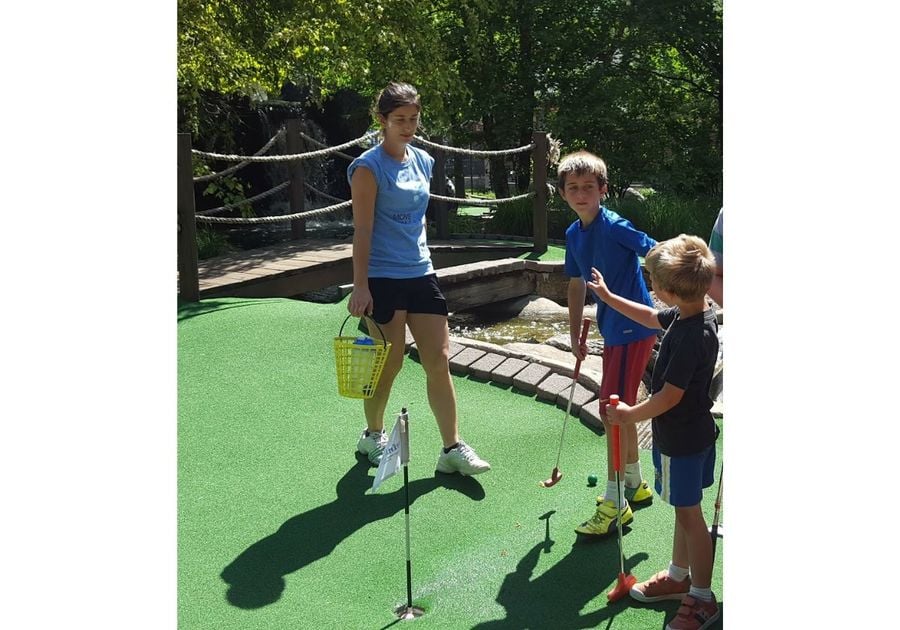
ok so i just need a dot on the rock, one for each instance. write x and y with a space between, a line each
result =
527 307
561 341
633 193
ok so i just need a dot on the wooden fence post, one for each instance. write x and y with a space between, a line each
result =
188 281
539 156
295 169
439 187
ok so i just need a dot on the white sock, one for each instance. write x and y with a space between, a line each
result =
633 475
701 593
612 493
679 574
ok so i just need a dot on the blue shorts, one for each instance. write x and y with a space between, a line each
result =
680 480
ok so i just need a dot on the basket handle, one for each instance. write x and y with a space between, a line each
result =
383 340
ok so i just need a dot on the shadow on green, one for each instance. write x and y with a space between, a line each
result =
187 310
256 577
554 598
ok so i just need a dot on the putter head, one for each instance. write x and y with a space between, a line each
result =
555 476
623 585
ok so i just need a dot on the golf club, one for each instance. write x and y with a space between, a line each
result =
714 530
555 476
624 581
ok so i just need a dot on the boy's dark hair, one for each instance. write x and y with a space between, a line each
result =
683 266
581 163
396 95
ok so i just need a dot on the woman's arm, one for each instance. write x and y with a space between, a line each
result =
363 190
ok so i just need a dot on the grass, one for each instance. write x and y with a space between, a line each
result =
276 529
554 253
473 211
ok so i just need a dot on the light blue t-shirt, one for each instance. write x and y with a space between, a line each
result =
399 248
717 239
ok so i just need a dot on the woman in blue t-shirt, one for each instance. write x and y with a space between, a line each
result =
393 278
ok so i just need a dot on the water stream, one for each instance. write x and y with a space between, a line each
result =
504 331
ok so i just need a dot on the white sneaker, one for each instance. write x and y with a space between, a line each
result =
372 445
463 460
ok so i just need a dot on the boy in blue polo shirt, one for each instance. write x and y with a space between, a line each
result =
603 240
684 432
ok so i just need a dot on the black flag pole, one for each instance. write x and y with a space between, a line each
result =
409 611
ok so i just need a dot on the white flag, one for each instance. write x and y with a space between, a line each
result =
395 453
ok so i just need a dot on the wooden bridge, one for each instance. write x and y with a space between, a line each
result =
294 267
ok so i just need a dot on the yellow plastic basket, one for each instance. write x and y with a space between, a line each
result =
359 361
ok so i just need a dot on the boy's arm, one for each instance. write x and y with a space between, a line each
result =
575 295
653 407
624 233
640 313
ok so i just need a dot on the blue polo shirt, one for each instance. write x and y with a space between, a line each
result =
399 248
612 245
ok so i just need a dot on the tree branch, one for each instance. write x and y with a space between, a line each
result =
697 87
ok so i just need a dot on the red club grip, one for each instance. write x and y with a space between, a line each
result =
614 430
585 326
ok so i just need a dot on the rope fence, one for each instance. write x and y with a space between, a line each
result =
237 167
249 200
469 201
322 145
326 150
285 158
320 193
472 152
274 219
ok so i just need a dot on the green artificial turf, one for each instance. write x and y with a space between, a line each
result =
554 253
276 529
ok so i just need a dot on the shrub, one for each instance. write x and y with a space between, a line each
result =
661 215
465 224
211 243
665 216
513 218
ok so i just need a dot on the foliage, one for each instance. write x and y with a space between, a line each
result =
516 218
638 83
230 190
465 224
211 243
642 88
664 215
252 49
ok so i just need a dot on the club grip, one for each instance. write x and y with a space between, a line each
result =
614 431
585 326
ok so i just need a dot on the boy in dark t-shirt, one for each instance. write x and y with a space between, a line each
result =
684 433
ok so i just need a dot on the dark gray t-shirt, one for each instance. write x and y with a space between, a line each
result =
687 358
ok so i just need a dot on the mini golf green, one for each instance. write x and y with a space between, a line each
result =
276 529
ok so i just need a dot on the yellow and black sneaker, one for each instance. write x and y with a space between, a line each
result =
639 497
603 522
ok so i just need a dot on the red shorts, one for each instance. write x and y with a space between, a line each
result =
623 368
